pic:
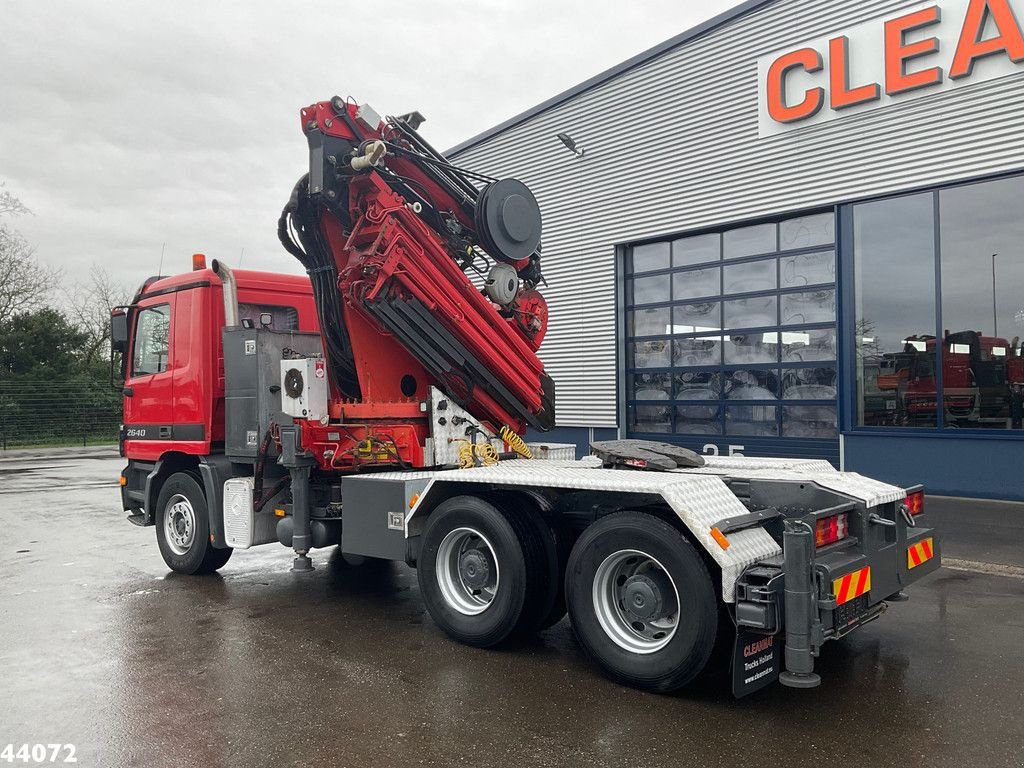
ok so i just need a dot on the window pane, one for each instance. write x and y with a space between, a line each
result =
749 241
809 384
808 269
702 424
751 276
650 290
807 232
650 322
697 318
650 418
809 346
650 257
697 283
751 385
702 351
744 349
701 415
650 386
755 312
706 409
652 354
751 420
982 281
152 335
894 275
698 385
809 307
696 250
810 421
281 318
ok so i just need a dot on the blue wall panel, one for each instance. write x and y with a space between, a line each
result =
747 446
975 467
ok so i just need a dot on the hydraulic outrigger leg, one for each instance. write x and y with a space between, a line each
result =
298 463
801 611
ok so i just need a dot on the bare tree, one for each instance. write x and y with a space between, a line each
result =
24 282
89 307
9 204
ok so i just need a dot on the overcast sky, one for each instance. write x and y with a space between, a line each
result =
127 125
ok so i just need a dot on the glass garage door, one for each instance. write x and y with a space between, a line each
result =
731 339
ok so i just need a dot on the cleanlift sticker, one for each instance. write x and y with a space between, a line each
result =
756 661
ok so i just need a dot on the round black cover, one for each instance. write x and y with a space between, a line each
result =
293 384
507 219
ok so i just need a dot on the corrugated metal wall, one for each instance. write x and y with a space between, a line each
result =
672 146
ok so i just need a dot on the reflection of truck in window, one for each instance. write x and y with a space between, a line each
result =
893 369
982 380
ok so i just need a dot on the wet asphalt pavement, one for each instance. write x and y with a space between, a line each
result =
103 648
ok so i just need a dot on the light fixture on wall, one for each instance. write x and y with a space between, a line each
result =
570 144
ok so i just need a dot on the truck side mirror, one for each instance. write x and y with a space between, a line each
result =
119 331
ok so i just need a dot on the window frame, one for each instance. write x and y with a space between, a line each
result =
628 370
139 314
846 283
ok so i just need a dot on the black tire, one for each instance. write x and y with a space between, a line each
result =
512 545
546 554
562 548
193 554
686 652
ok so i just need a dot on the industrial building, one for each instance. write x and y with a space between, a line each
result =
794 230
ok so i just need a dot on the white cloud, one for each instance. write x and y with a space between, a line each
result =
128 125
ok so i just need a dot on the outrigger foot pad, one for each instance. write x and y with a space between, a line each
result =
302 563
800 679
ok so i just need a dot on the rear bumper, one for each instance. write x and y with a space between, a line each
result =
847 577
808 597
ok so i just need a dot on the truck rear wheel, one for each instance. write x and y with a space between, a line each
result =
476 570
183 527
545 604
641 601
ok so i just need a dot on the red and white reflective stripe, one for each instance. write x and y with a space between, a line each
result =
919 553
852 585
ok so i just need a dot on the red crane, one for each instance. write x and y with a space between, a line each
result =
389 232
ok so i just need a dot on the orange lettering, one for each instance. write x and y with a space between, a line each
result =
842 95
971 47
898 52
810 61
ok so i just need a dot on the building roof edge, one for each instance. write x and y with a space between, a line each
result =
689 35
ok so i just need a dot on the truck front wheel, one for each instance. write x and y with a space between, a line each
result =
183 527
641 601
477 570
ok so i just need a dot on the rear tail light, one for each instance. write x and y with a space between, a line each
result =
829 530
915 502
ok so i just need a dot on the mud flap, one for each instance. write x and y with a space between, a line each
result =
756 661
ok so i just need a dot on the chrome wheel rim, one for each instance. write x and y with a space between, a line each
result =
636 601
179 524
467 571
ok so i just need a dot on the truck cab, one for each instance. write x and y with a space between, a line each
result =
172 369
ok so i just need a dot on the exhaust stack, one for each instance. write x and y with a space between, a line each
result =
230 286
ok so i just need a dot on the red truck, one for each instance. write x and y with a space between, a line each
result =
982 380
380 405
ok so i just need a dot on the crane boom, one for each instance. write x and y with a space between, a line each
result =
388 231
